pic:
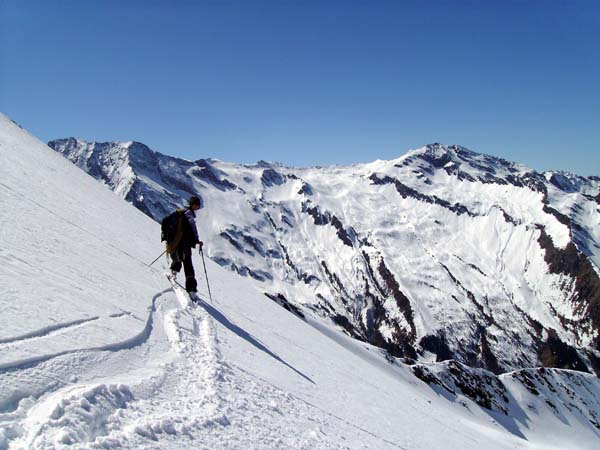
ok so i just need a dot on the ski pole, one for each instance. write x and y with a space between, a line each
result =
157 258
206 276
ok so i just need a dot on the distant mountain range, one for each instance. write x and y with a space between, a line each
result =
440 254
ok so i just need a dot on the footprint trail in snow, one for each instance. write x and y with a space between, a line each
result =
175 391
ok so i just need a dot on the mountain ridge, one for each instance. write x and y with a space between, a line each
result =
323 238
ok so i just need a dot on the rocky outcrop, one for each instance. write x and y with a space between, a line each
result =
407 192
573 264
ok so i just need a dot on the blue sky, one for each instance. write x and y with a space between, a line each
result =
310 82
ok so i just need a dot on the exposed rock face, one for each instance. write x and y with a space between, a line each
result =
441 254
556 391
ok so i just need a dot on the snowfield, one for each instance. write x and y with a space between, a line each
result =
99 351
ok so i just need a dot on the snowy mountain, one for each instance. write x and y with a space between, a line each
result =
98 350
440 254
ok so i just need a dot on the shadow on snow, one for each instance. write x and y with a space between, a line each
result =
223 320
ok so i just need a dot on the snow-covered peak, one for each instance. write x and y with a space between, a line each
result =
460 161
570 182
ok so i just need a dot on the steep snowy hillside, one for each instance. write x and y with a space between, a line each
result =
99 351
442 253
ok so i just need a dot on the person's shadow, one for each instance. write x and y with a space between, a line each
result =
223 320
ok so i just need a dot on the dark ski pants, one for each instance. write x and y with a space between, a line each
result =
183 255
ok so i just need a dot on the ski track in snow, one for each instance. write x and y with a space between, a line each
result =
46 330
175 391
133 341
66 411
45 378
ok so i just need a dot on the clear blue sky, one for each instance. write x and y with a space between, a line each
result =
310 82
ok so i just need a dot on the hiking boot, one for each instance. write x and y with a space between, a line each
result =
191 285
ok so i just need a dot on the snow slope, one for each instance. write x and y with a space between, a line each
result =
441 253
100 351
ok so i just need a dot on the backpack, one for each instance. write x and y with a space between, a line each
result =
168 226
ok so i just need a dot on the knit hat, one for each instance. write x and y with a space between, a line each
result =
194 200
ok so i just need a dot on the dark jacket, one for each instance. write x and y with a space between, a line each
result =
190 231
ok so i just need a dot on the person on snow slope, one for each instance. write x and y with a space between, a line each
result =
182 240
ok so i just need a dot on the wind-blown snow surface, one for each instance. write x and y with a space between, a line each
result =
442 253
99 351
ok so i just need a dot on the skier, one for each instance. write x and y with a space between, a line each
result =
181 237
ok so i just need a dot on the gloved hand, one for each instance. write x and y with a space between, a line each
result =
200 244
